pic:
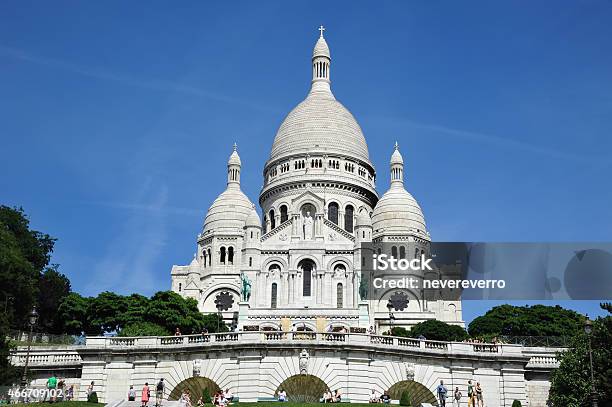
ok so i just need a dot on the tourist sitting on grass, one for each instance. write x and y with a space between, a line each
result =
229 397
200 402
282 395
385 398
337 396
326 398
374 397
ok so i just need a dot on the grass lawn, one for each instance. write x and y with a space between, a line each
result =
60 404
289 404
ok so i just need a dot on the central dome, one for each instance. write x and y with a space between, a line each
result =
320 123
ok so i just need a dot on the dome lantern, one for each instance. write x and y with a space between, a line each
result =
233 168
321 60
397 167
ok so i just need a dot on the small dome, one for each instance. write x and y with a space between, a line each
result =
234 157
228 213
396 157
321 49
253 220
363 219
398 212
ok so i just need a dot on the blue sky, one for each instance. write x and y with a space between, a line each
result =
116 119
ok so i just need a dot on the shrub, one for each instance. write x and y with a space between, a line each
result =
92 398
405 399
206 396
516 403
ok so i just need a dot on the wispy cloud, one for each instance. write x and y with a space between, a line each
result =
497 141
157 85
139 207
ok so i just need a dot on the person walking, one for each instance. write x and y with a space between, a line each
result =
470 394
441 390
146 393
159 392
479 398
457 398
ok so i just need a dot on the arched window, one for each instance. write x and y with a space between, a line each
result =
339 296
274 296
332 212
272 219
348 218
223 255
284 215
264 223
274 267
204 257
394 252
379 251
209 258
307 267
230 255
402 252
250 261
416 253
180 287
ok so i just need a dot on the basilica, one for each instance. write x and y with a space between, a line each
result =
299 265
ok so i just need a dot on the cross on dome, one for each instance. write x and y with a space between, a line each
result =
396 146
235 146
321 29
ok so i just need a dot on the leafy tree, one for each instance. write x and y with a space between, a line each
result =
136 310
73 314
571 382
536 320
54 288
170 310
214 323
144 329
439 331
24 255
516 403
106 311
8 374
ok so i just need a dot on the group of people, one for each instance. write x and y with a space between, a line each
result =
474 395
57 390
145 394
331 397
383 398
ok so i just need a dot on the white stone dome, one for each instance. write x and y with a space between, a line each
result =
321 49
397 212
228 213
253 219
322 124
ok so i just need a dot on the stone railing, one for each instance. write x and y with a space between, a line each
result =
42 356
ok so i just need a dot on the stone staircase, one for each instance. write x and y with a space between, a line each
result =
125 403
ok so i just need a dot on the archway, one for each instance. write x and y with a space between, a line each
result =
303 388
417 392
196 386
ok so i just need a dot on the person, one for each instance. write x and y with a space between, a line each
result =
159 392
324 397
470 394
374 397
441 390
372 331
90 391
200 402
70 393
51 385
228 396
282 395
60 389
337 396
177 332
131 394
385 398
479 398
146 393
457 397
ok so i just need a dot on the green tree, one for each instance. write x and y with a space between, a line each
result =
106 311
405 399
516 403
144 329
439 331
24 255
571 382
73 314
54 288
170 310
536 320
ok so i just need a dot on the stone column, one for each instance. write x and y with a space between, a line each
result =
248 376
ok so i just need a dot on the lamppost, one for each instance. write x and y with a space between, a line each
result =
32 318
588 329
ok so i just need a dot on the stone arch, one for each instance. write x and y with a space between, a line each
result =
303 257
303 388
275 259
339 260
209 296
196 387
418 393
